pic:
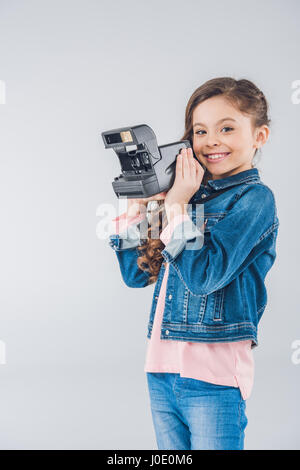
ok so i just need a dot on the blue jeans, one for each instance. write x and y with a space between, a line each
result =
192 414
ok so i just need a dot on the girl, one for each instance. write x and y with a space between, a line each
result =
207 300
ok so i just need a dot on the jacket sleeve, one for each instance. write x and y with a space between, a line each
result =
234 242
178 224
124 240
125 232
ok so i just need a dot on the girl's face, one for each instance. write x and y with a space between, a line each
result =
220 128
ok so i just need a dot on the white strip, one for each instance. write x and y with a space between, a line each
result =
2 352
2 92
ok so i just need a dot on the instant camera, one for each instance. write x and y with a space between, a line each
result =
147 168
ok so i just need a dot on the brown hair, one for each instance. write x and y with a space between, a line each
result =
242 94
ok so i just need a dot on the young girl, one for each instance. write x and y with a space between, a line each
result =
207 301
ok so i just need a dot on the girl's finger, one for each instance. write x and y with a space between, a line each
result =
192 161
179 165
198 173
197 166
186 165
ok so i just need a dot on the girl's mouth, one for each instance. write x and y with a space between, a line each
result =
216 157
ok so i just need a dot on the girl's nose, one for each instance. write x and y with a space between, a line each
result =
212 140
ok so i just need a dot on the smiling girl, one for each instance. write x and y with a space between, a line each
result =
207 302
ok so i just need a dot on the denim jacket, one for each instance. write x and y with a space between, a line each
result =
215 293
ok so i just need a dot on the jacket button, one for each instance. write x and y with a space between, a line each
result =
203 195
156 297
167 332
170 296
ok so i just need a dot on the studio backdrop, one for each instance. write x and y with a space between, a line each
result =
73 335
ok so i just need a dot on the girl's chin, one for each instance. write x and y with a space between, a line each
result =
217 173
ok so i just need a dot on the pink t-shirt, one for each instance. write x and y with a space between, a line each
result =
229 363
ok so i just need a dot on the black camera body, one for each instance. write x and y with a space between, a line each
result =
147 168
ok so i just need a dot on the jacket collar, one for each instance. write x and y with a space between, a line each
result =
238 178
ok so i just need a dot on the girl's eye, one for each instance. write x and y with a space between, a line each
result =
226 127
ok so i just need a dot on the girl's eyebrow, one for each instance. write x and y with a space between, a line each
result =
221 120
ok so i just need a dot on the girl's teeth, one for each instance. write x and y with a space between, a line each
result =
217 155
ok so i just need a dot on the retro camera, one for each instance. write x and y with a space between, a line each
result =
147 168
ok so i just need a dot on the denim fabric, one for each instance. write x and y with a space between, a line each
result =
190 414
128 238
216 285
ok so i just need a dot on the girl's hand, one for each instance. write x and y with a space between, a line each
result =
189 174
155 197
134 206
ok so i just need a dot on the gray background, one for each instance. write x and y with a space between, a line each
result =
75 334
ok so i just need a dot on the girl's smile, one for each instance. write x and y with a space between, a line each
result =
216 157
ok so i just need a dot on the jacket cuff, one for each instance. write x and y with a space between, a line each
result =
166 234
181 233
126 233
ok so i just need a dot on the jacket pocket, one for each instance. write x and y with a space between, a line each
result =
206 309
214 311
195 306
